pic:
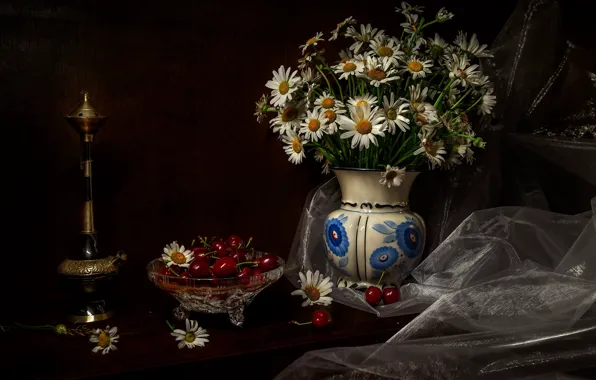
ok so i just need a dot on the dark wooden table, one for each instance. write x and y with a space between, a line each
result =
262 348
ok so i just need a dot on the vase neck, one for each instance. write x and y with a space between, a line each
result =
362 192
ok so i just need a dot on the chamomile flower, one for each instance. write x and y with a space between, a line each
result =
437 46
460 69
433 150
366 99
426 116
320 157
105 339
332 118
312 42
411 24
417 95
287 119
308 75
407 8
363 37
283 84
387 48
351 67
314 125
418 67
174 254
473 47
392 176
315 289
294 147
346 55
194 336
327 101
261 108
394 111
379 71
363 125
444 15
488 102
306 60
341 28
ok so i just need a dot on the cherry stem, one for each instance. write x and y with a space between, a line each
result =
192 243
174 272
170 325
247 262
382 274
248 242
300 324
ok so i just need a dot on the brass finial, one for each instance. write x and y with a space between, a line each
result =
84 118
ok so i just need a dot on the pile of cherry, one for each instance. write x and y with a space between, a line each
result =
217 258
388 295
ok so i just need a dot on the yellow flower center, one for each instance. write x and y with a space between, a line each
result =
415 105
376 74
385 51
391 174
462 74
297 145
415 66
311 41
361 103
284 87
312 293
391 114
330 115
348 67
414 27
189 337
328 103
430 147
364 127
178 258
103 340
289 114
314 125
421 119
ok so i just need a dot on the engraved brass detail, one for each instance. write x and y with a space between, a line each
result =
90 318
88 267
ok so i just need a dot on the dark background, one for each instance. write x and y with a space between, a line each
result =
181 153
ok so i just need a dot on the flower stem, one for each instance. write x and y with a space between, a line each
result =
326 80
170 325
474 105
382 274
300 324
43 327
460 100
443 93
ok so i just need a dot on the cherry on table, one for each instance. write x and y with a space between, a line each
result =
199 267
321 318
224 267
373 295
391 295
220 248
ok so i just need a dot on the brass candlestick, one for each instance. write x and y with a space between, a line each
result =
90 277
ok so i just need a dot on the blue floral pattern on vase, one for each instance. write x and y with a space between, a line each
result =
383 258
337 238
406 234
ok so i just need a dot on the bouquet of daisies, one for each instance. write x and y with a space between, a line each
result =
392 102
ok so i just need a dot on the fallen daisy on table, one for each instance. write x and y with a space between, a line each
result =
194 336
105 339
314 289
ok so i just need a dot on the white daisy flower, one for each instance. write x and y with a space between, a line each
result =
460 69
407 8
411 25
362 126
294 147
327 101
288 119
392 176
339 30
437 46
346 55
387 48
488 102
174 254
332 119
426 116
261 108
366 99
312 41
283 84
314 288
362 38
473 47
320 157
314 125
347 68
452 95
308 75
394 109
433 150
417 67
105 339
379 71
194 336
444 15
306 60
417 95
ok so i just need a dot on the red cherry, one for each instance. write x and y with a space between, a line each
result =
220 248
177 269
239 255
201 251
373 295
245 275
225 267
390 295
199 267
268 262
165 271
321 318
257 273
234 241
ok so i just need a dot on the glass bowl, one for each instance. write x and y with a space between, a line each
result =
213 295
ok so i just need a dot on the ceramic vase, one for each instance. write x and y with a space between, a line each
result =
374 230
